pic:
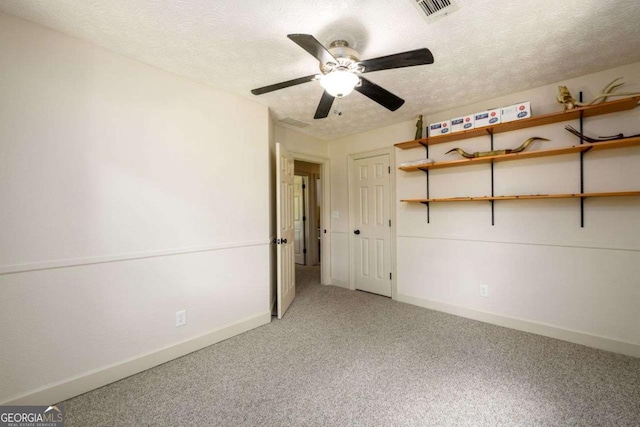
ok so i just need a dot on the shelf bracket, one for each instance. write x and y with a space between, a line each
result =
581 166
426 171
493 219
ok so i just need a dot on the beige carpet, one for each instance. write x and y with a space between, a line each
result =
345 358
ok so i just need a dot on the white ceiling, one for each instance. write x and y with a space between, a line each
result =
485 49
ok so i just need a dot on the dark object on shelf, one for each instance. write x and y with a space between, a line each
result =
600 138
419 127
496 152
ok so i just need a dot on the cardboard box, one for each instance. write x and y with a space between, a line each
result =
460 124
440 128
515 112
487 118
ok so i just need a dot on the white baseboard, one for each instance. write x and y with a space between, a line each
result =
340 283
577 337
66 389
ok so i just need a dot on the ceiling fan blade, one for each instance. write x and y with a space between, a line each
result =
324 106
399 60
379 94
314 47
283 85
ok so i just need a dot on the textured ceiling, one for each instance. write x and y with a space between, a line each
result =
485 49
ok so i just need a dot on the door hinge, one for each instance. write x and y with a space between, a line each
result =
390 276
304 186
389 223
304 218
389 169
304 251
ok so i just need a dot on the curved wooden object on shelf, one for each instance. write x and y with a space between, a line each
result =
628 142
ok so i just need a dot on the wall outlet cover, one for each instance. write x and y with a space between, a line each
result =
181 317
484 290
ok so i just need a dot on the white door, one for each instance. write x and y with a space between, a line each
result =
299 218
286 288
372 225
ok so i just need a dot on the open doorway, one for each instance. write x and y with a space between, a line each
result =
317 170
307 213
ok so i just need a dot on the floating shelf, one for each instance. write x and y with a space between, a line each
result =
620 143
545 119
525 197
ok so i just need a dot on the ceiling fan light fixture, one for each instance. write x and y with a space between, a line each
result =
339 83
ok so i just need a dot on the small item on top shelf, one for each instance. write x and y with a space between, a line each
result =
487 118
417 162
459 124
600 138
419 127
515 112
439 128
564 96
496 152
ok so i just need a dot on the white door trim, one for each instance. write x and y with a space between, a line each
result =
325 217
392 209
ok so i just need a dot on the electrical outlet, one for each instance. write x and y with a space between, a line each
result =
484 290
181 317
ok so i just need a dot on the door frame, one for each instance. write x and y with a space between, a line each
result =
392 212
325 215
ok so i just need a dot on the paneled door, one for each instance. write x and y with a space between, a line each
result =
286 286
372 225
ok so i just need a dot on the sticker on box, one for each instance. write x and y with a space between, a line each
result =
460 124
440 128
487 118
515 112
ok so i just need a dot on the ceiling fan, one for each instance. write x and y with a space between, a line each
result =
341 70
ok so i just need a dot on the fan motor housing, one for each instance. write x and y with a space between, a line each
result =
347 57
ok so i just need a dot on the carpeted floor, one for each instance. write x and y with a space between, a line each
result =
344 358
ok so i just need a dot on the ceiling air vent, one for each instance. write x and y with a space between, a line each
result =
432 10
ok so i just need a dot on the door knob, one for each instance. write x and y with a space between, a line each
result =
356 232
284 241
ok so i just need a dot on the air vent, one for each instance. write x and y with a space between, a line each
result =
432 10
294 122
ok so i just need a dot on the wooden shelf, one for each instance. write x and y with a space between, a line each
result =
526 197
545 119
620 143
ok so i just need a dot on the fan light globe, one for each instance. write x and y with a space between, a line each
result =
339 83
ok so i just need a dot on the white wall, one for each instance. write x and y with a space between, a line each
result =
301 143
128 194
545 273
